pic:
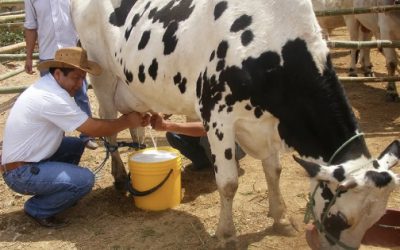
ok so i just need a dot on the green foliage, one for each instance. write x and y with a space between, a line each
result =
8 37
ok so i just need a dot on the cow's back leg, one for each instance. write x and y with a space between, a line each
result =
104 88
277 208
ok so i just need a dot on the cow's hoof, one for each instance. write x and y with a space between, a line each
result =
285 228
352 73
392 97
369 74
120 186
227 244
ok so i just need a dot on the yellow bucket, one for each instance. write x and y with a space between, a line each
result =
155 183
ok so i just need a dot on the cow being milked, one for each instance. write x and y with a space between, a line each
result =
256 72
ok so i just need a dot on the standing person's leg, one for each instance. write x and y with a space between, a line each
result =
82 100
190 147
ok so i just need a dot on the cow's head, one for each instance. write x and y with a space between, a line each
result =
347 199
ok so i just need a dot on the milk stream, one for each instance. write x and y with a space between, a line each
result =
152 137
153 155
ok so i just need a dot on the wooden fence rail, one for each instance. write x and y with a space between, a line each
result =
5 19
352 11
12 12
363 44
16 57
12 48
19 25
19 89
11 2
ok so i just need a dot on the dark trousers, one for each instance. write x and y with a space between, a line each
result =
191 148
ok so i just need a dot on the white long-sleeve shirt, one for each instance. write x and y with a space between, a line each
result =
55 29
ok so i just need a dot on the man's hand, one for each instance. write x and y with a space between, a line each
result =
28 66
136 119
157 122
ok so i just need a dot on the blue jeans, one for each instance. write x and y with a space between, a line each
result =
56 183
81 99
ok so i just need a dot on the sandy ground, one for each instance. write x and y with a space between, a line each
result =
107 220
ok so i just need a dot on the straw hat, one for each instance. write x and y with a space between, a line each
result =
74 57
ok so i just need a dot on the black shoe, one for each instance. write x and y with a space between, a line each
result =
50 222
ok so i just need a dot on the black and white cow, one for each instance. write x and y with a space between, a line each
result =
256 72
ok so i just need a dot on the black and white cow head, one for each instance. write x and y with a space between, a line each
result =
347 199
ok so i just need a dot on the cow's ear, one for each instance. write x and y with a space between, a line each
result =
315 170
390 156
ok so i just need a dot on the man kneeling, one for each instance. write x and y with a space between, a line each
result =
37 158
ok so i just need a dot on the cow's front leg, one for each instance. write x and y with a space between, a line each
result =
104 88
277 208
391 64
226 174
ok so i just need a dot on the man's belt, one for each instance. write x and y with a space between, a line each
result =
11 166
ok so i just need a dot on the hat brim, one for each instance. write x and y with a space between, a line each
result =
92 67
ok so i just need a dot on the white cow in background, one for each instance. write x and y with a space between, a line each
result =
384 26
355 30
257 72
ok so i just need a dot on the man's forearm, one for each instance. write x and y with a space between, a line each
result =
189 128
30 39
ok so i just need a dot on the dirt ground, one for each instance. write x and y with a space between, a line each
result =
107 220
